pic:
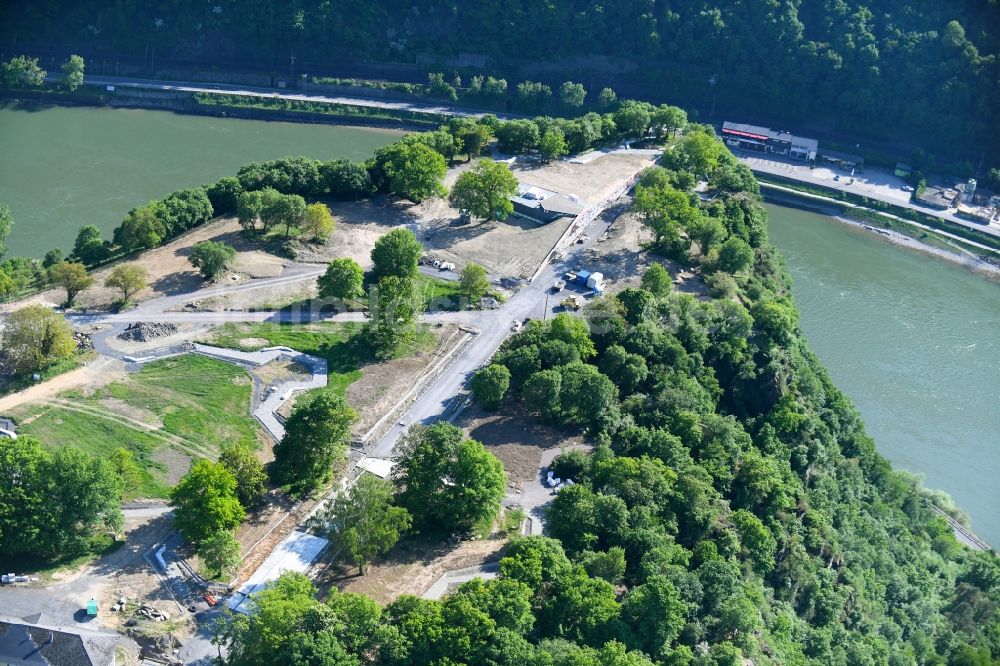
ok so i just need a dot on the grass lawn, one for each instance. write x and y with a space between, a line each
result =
342 344
192 405
56 426
333 341
437 294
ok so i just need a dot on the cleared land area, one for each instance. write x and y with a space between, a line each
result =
371 388
620 256
166 414
169 272
516 438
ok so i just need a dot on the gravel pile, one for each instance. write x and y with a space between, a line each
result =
146 331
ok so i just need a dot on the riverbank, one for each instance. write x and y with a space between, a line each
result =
913 342
223 106
790 198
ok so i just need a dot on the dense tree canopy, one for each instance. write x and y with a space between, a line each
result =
53 504
873 66
447 481
363 520
205 502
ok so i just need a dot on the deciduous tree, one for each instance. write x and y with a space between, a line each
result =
211 258
89 246
489 386
655 613
485 190
205 502
317 222
447 481
246 468
552 145
72 69
656 280
735 255
141 229
316 436
220 552
396 253
572 94
6 223
413 170
35 336
344 278
474 282
364 521
72 277
607 98
129 279
22 72
393 309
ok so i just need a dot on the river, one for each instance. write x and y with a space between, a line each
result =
915 342
62 168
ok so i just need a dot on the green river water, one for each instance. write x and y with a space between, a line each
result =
62 168
915 343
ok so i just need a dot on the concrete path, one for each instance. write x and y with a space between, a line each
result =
266 412
458 576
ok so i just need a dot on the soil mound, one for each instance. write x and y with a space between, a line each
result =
146 331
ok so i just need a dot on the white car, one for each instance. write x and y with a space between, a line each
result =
516 326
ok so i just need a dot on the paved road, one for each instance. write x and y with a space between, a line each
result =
65 602
277 93
873 183
494 325
837 202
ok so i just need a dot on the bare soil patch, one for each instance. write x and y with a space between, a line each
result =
282 370
270 297
175 464
410 568
515 438
168 269
132 412
590 182
99 372
184 333
383 384
620 256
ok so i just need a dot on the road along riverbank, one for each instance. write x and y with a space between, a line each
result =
976 257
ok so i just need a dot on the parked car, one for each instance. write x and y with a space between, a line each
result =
558 286
516 326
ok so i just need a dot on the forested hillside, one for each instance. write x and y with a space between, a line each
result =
923 71
732 506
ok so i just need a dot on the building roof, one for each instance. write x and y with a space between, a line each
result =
562 205
380 467
753 131
32 644
937 196
812 145
544 205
